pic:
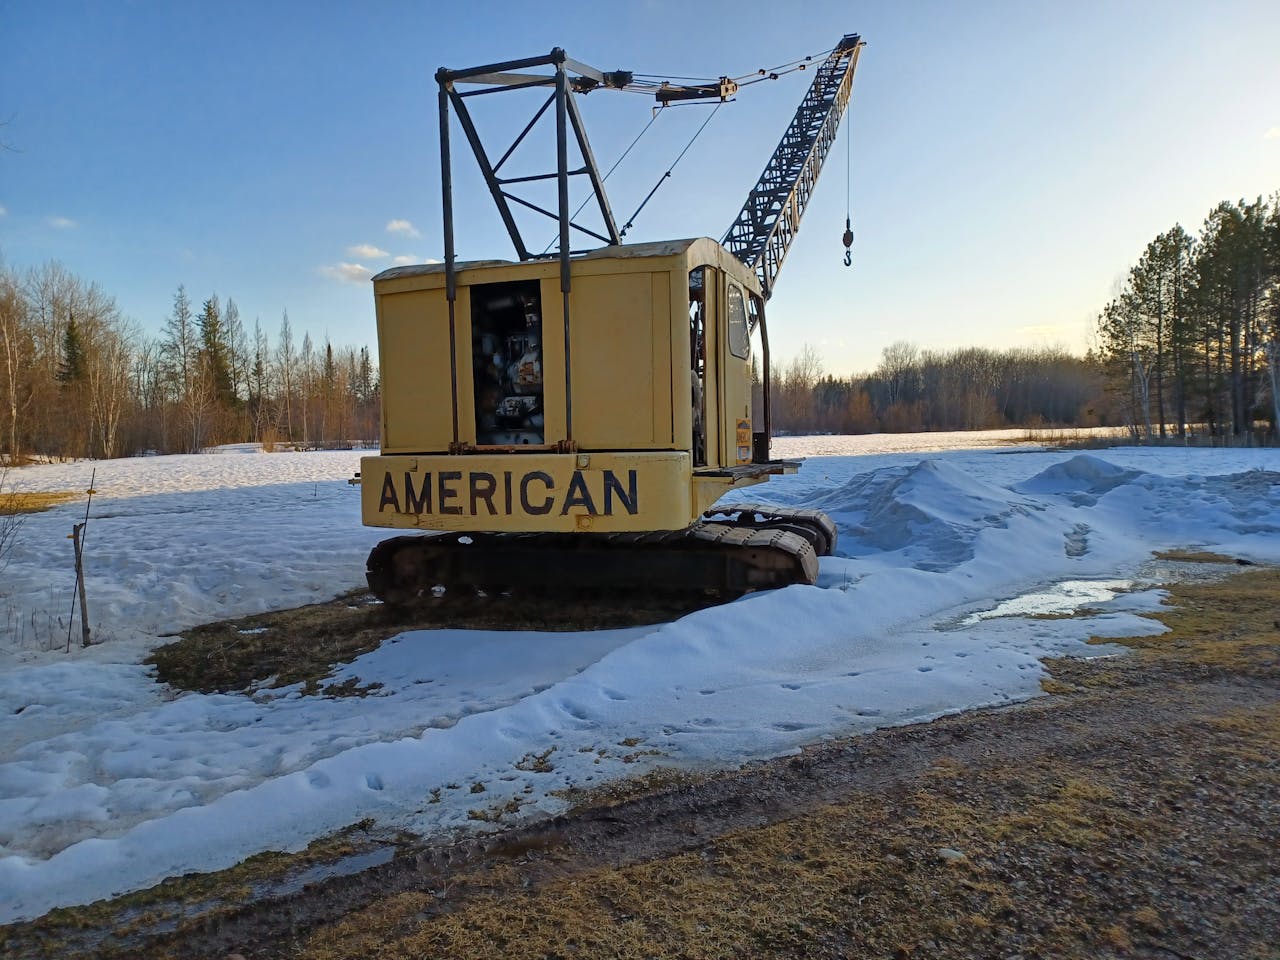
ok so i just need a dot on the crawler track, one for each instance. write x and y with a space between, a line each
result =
732 551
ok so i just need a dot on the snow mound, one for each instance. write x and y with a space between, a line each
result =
1083 479
931 511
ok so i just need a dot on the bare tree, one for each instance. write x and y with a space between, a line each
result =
109 368
10 519
286 363
16 344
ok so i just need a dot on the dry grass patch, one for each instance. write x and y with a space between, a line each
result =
850 875
1230 624
1194 556
303 644
17 502
290 646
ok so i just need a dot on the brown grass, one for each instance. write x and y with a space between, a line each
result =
1194 556
303 644
18 502
856 875
1230 624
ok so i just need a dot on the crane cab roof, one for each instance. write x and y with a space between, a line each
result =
694 252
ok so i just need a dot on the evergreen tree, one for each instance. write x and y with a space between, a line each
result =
178 343
72 368
215 351
1158 298
1231 282
258 376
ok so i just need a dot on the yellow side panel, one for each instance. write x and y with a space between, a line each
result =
663 435
586 493
620 361
413 347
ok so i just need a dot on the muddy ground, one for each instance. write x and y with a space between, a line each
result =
1133 812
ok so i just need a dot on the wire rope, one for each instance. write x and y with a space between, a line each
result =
622 157
646 83
787 67
632 219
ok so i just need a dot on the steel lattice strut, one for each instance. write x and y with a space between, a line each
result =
767 224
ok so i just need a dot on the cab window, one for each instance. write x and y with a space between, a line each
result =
739 335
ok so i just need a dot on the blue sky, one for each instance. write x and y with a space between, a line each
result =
1009 159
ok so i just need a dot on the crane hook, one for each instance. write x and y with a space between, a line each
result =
848 242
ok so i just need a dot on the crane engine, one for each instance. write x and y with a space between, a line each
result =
571 420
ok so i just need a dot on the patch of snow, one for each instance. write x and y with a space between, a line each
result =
110 782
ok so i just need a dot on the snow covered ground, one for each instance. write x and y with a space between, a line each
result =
110 782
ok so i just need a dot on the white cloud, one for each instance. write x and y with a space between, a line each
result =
368 251
61 223
402 226
3 211
405 259
1272 134
347 272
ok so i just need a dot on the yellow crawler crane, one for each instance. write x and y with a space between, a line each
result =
570 421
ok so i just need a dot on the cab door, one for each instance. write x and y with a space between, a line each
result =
734 358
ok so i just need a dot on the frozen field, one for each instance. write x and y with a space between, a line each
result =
110 782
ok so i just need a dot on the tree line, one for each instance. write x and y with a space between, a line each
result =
969 388
1191 341
78 379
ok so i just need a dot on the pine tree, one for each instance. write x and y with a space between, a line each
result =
71 369
215 351
1159 294
1230 291
258 375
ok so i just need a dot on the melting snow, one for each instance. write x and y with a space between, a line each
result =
110 782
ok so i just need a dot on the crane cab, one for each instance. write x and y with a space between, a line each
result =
623 405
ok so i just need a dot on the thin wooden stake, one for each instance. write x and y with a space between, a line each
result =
77 534
77 537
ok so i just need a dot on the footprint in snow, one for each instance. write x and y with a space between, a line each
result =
1076 542
373 781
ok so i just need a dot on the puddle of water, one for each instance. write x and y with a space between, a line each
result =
1064 598
324 871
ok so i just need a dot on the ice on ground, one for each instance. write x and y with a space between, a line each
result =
110 782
